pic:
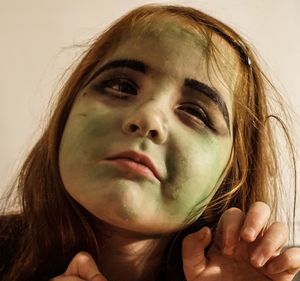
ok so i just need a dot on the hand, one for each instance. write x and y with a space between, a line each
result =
244 248
81 268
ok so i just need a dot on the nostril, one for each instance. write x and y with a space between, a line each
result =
153 134
133 128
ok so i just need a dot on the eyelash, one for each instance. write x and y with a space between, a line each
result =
107 87
196 112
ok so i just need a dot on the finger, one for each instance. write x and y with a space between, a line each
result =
193 255
255 221
84 266
68 278
271 243
228 230
287 261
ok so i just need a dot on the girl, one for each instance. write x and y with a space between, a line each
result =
158 163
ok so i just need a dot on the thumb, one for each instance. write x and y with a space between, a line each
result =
84 266
193 255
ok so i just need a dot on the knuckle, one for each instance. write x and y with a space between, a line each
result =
270 247
269 241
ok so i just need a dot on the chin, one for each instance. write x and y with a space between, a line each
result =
136 223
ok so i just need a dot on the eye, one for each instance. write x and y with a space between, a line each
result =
119 87
196 112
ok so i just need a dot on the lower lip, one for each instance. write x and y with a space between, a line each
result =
135 167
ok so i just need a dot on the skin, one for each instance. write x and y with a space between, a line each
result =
133 215
190 156
245 248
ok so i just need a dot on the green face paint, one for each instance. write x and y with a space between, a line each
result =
189 140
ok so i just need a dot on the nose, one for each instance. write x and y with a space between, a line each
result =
148 120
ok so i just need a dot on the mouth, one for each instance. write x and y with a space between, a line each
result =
136 162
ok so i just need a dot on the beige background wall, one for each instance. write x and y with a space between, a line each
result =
39 38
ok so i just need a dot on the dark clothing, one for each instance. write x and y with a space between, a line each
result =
11 231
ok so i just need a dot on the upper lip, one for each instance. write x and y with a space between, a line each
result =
139 158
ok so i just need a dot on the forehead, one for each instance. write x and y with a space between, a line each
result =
179 38
163 42
178 51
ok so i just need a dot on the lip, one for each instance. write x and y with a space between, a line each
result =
139 158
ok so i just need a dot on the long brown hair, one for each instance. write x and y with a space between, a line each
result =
54 227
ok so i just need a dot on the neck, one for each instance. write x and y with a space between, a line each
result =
131 255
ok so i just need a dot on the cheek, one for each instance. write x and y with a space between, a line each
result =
85 130
209 165
83 136
194 176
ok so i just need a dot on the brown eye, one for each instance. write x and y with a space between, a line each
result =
119 87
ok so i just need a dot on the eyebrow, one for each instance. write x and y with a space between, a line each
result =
212 94
127 63
193 84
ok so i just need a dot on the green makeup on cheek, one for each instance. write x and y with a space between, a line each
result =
96 126
83 132
193 173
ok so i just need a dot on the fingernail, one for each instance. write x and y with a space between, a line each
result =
249 232
258 261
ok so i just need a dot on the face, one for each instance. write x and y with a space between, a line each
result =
151 96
